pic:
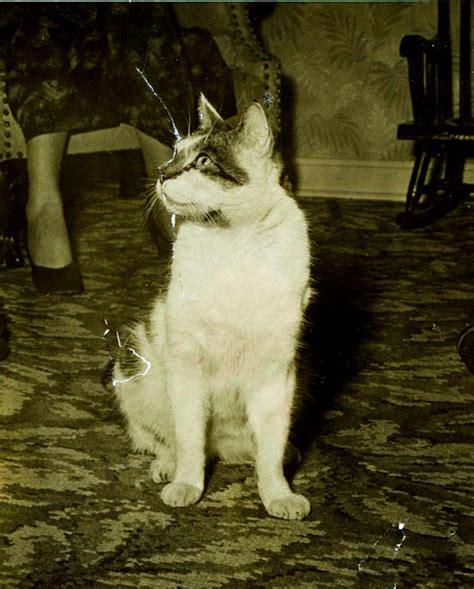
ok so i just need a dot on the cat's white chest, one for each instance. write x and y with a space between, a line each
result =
236 290
234 275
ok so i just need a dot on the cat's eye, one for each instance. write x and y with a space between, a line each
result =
202 161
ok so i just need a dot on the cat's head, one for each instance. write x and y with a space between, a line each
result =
222 174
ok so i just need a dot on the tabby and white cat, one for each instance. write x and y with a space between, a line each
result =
213 369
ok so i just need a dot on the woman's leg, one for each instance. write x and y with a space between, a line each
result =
48 239
156 154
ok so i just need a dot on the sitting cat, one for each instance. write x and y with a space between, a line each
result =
212 372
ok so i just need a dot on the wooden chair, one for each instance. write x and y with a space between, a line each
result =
256 76
443 138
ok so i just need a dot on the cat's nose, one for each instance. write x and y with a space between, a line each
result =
165 174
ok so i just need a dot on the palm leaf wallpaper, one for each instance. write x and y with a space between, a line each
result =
349 85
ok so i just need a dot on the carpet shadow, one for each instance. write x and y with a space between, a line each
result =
336 325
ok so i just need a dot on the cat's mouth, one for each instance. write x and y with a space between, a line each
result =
170 203
182 209
193 212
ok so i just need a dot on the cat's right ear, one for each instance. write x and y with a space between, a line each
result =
208 115
255 130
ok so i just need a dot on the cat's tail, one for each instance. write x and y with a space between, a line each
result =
108 376
126 363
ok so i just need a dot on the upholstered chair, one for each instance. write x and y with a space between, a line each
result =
12 183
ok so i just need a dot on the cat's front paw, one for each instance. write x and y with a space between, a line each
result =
180 494
290 507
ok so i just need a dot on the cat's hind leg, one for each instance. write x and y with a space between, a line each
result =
162 469
144 440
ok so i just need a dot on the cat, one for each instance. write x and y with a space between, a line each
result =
212 371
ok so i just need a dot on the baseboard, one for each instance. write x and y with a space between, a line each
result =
354 179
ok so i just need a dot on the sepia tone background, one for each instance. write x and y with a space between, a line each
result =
388 457
349 84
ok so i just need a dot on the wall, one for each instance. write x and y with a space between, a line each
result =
348 90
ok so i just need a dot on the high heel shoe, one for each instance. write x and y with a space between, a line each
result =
65 280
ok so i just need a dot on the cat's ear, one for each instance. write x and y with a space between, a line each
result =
255 130
208 115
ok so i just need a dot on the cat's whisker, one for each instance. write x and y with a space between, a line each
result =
151 198
149 189
209 133
210 219
189 126
152 204
194 209
146 215
189 117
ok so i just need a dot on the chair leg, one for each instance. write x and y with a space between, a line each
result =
408 219
455 162
429 201
16 195
447 190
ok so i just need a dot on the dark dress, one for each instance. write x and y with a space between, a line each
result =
84 66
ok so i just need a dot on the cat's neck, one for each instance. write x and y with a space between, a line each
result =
275 213
257 208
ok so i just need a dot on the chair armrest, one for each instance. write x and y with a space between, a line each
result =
413 45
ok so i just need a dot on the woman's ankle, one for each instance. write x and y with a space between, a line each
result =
48 239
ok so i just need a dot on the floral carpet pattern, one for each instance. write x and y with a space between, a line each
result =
388 464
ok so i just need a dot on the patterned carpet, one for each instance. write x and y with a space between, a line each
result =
389 466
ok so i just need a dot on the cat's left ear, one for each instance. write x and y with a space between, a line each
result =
208 115
255 130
